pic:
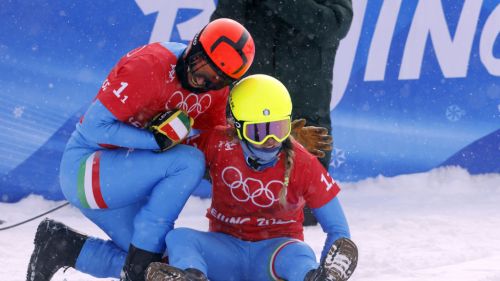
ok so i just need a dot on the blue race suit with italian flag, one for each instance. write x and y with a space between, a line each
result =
110 168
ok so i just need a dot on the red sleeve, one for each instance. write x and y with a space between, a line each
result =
216 115
319 186
130 86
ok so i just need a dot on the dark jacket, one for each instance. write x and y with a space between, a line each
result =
296 42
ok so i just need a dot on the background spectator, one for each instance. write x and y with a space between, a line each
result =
296 42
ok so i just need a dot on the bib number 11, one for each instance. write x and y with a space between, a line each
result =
118 92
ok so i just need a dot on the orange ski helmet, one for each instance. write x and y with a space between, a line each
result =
228 45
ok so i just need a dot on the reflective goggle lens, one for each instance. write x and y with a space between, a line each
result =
259 133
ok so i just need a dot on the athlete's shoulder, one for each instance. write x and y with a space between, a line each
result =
305 164
224 92
222 133
156 53
176 48
301 152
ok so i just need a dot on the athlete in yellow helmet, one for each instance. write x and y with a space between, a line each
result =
261 108
261 180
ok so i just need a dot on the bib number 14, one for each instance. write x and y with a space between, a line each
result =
327 182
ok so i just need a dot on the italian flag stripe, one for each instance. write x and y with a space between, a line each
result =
89 187
81 187
177 128
272 269
96 185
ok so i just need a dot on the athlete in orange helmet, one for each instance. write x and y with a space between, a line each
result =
217 56
110 169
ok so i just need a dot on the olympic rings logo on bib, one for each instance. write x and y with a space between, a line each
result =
250 189
193 104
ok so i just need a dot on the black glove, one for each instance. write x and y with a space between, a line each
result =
170 128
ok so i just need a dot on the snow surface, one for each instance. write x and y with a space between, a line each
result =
440 225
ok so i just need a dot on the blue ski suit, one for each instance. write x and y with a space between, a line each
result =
111 169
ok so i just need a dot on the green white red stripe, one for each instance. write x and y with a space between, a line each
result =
89 187
176 127
272 269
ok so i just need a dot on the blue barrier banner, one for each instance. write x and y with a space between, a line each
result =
416 83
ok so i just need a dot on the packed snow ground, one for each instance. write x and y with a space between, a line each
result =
441 225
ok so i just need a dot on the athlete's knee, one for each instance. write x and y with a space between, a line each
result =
190 158
294 260
177 236
298 249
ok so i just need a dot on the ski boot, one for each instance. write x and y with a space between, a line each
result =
339 263
137 262
158 271
56 246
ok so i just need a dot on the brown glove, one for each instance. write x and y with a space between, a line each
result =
315 139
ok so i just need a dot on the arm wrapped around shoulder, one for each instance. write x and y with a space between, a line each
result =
170 128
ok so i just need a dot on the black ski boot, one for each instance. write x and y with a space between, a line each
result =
56 246
158 271
137 262
339 263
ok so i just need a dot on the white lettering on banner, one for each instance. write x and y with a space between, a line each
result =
167 12
452 53
491 32
346 53
381 42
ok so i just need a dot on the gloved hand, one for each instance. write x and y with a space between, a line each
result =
170 128
315 139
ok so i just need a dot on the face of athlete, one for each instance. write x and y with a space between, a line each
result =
204 76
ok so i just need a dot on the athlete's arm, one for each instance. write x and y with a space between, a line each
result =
101 126
130 88
333 222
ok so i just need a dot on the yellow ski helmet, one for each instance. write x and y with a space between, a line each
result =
261 107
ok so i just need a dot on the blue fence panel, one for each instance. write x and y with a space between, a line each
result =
416 83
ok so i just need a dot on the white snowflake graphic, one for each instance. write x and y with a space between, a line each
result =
454 113
338 158
18 111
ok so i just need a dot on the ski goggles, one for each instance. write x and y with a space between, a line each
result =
201 66
259 132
